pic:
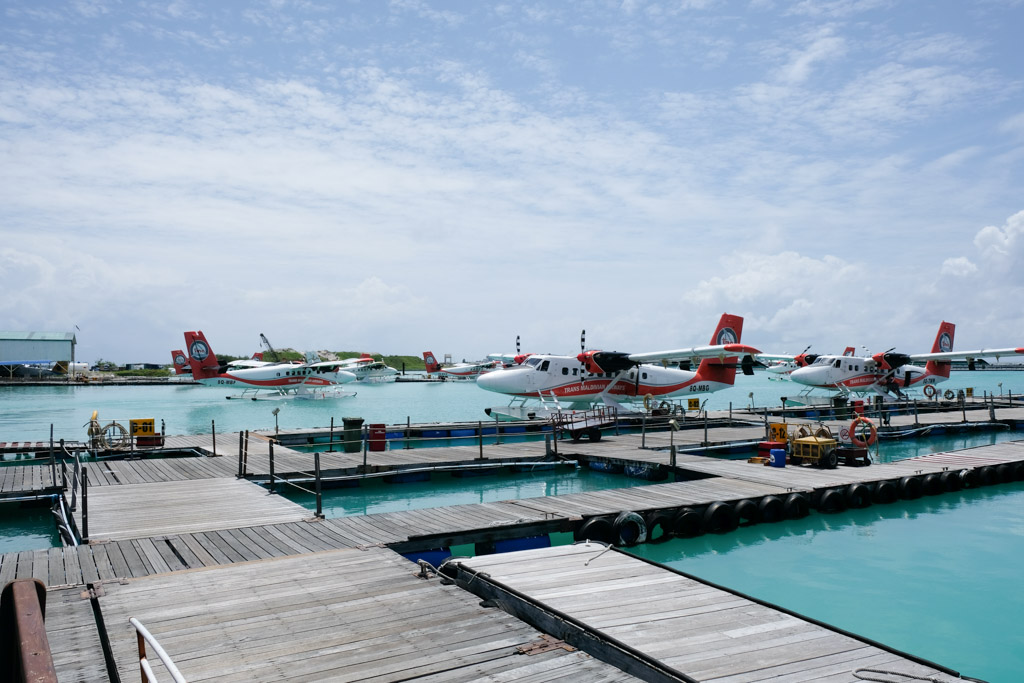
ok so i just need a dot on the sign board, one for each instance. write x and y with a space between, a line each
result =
777 432
146 427
970 392
693 404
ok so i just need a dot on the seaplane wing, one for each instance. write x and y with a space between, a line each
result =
967 355
720 351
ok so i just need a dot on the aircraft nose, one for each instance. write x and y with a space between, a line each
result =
493 381
805 376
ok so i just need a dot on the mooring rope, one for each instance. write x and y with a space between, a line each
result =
860 673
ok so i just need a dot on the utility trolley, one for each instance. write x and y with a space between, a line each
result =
815 445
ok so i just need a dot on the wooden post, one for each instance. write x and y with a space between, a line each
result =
730 411
497 431
408 424
706 427
241 440
319 499
643 430
330 447
213 432
364 432
85 504
480 435
273 488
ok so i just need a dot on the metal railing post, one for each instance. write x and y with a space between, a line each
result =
365 433
213 432
643 431
480 437
53 459
85 504
245 455
319 499
408 430
241 441
330 447
273 487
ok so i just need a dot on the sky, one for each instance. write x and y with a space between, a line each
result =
414 175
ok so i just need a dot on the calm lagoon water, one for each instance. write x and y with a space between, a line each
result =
937 577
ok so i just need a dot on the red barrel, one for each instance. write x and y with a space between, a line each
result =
858 407
378 437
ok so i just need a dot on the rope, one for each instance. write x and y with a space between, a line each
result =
860 673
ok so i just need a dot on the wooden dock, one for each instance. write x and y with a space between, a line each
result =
667 626
345 615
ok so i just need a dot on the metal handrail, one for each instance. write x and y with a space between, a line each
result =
144 636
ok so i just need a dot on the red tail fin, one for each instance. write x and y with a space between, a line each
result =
729 329
431 362
200 356
181 365
849 351
943 344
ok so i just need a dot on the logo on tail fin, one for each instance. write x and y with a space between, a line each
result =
726 335
199 350
945 342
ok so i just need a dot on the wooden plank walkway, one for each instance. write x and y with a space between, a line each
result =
343 615
158 509
22 480
691 628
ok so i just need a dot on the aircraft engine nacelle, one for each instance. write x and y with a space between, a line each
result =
605 361
890 360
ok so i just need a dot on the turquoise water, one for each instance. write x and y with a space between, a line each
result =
26 528
936 577
375 496
26 413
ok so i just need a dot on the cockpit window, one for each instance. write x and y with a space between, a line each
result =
544 366
532 361
837 364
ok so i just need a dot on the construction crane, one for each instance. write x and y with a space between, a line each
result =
266 342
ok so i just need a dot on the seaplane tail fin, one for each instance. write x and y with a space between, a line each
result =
943 344
312 357
722 370
200 356
180 360
430 361
849 351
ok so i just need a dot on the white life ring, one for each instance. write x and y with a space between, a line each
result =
647 402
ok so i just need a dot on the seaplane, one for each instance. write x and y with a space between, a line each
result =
889 373
368 370
614 378
460 371
780 368
310 379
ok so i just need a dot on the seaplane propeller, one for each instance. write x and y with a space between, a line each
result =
612 363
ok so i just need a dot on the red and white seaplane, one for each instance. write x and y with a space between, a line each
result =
613 377
887 374
301 380
459 371
369 370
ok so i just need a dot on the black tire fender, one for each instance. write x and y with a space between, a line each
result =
771 509
661 521
832 500
595 529
719 517
857 496
686 523
748 510
911 488
629 528
796 506
951 480
932 484
885 492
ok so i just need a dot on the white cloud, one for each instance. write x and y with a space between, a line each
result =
958 267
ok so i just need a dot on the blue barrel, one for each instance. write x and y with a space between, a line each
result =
777 457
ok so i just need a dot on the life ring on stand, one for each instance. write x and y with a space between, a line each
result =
948 395
647 402
665 407
930 390
855 438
